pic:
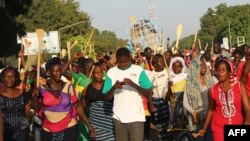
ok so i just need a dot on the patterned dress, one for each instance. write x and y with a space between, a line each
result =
228 109
15 122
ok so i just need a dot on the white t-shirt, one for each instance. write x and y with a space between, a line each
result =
128 106
159 80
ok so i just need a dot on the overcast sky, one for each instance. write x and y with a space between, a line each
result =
114 15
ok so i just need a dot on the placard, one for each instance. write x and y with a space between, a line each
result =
50 43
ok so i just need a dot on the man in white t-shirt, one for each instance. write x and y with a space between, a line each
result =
126 82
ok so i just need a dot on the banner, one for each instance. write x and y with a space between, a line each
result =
30 43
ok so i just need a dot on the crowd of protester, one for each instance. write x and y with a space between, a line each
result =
122 97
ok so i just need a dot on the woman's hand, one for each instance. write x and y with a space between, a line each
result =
84 92
196 117
200 133
92 132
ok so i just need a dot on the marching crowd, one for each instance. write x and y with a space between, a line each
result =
122 96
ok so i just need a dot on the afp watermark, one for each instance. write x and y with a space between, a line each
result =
235 132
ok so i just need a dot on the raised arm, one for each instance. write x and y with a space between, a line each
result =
137 49
68 75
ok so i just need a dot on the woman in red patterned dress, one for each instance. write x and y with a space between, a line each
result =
226 100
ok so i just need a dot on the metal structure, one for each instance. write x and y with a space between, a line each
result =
144 33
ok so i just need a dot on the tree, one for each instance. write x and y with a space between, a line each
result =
9 27
57 14
51 15
215 23
107 41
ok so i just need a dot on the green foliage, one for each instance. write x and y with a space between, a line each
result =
215 23
53 15
9 28
101 42
107 41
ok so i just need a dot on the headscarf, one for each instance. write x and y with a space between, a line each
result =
179 80
174 60
193 85
233 78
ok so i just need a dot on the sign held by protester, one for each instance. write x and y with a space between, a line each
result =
50 43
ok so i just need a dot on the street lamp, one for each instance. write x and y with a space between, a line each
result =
65 27
229 28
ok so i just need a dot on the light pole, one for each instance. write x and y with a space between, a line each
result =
229 29
68 26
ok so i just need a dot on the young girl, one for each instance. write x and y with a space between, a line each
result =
100 112
177 86
159 78
15 106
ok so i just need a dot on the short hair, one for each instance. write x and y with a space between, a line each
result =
87 64
80 62
99 64
122 52
17 75
147 48
52 62
238 51
207 56
169 51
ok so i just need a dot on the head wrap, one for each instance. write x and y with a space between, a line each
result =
193 85
179 80
174 60
233 78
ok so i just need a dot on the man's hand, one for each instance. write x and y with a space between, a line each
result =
129 82
119 84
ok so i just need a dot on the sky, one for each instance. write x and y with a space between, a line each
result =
114 15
